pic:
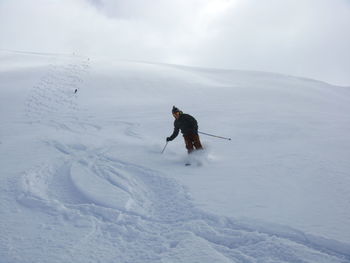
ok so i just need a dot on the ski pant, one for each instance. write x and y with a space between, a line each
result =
192 141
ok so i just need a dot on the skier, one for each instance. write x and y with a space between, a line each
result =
189 128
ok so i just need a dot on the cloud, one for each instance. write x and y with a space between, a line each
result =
124 29
306 38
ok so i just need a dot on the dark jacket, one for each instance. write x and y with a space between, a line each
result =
187 124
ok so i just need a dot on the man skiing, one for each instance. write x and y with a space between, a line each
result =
189 128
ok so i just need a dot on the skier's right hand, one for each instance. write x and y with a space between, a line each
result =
168 139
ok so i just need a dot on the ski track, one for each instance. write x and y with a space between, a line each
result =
155 216
130 213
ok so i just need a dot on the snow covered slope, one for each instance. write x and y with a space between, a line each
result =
82 178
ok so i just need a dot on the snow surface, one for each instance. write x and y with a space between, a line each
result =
83 179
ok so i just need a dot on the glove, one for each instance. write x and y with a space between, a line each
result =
168 139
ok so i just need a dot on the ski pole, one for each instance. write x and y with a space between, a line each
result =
165 147
215 136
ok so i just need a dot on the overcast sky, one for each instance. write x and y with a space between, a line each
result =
309 38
